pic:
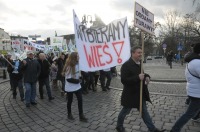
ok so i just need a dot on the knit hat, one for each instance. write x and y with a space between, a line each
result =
196 48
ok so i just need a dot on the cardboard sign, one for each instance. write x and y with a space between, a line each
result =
104 47
143 19
56 41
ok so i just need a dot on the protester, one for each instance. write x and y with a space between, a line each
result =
105 74
130 77
72 85
17 77
60 63
192 73
53 73
9 69
85 77
31 69
44 76
97 74
91 85
170 58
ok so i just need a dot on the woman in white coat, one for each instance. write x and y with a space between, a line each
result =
72 85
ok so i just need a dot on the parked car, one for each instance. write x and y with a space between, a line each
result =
158 57
149 57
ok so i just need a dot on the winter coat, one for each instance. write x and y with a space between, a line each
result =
31 70
54 70
16 76
130 79
45 68
60 63
193 83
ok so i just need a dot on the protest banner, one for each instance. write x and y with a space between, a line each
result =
71 46
144 20
16 45
104 47
56 41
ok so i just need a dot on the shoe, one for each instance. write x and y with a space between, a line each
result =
104 89
22 99
83 118
28 105
158 130
41 97
107 88
51 98
120 129
70 117
33 103
14 97
196 119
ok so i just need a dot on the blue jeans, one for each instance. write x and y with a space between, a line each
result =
30 93
145 116
42 82
192 110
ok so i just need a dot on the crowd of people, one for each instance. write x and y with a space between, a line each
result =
49 71
42 68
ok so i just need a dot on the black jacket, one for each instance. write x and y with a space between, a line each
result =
16 76
130 79
45 68
60 63
31 70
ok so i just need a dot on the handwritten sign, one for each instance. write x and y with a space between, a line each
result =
144 19
103 47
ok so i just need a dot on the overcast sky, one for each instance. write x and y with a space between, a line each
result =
44 17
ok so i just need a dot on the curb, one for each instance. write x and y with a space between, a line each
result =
165 80
168 80
4 81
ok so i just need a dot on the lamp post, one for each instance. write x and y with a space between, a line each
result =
87 19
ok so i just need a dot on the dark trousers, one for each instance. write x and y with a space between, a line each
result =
96 79
91 82
62 79
192 110
42 82
11 81
78 94
18 83
103 76
85 80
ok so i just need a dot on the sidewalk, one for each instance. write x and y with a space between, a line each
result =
161 72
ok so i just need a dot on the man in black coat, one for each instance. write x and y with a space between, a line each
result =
130 77
44 76
31 70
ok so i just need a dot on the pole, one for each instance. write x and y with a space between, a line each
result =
141 82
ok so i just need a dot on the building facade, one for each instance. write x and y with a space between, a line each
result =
5 42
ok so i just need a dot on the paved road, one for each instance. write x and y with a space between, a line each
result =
102 109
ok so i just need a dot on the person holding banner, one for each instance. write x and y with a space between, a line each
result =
17 77
130 77
31 69
72 85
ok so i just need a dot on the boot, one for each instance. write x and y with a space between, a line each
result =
70 117
82 118
158 130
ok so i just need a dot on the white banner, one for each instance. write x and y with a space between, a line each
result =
144 19
56 41
16 45
104 47
71 46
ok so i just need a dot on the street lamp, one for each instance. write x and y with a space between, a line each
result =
87 19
